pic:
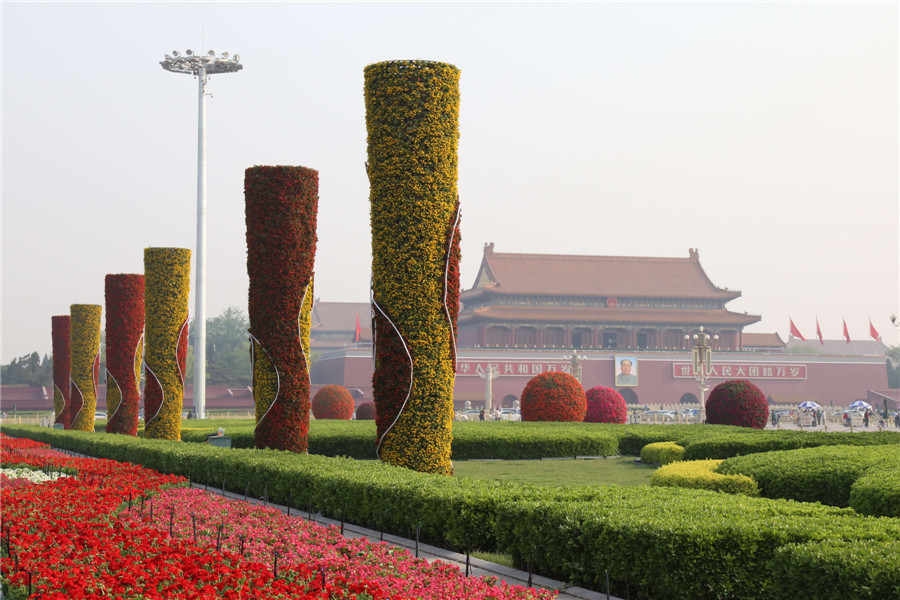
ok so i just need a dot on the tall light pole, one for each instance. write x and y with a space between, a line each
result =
201 67
702 365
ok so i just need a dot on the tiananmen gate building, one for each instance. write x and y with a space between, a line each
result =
531 313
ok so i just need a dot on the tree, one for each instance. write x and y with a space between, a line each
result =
892 363
28 370
227 349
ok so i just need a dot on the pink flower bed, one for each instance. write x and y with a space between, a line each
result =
11 483
262 531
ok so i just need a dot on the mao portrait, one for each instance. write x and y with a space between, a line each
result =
626 371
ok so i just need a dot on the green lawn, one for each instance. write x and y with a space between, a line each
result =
599 471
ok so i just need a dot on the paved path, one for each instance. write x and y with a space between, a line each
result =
834 427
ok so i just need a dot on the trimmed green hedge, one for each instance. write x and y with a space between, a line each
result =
724 545
673 543
807 570
730 444
826 474
517 440
505 440
877 492
661 453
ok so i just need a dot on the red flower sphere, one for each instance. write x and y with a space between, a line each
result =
333 402
605 405
365 411
737 402
553 396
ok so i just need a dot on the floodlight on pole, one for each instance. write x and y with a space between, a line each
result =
201 67
702 365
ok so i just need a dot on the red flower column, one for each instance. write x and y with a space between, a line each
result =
281 208
124 349
61 369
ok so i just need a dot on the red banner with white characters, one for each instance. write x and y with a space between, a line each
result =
685 370
524 368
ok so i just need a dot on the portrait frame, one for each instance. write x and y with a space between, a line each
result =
629 379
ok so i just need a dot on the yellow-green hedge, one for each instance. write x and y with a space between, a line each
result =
85 363
700 474
412 120
661 453
167 274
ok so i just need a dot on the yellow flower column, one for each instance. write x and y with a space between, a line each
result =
412 119
167 274
85 363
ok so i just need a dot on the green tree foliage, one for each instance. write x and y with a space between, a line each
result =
892 363
227 349
29 370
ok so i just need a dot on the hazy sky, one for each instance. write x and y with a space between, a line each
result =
766 135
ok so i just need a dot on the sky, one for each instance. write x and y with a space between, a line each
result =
765 135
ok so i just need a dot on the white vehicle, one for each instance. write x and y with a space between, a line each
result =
510 414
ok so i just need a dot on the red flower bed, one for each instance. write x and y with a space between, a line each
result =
365 411
121 531
124 348
553 396
333 402
605 405
281 210
737 402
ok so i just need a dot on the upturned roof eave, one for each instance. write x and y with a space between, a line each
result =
473 293
620 316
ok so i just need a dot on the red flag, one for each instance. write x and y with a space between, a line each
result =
794 331
873 332
356 339
819 332
846 333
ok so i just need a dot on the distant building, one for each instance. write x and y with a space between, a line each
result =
763 342
333 325
837 347
526 313
595 302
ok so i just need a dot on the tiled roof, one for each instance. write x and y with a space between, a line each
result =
762 340
17 393
340 316
840 347
334 324
619 276
569 314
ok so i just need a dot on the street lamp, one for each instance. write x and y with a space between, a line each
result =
702 365
575 360
201 67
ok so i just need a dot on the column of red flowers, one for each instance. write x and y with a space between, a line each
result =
281 211
61 329
124 345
